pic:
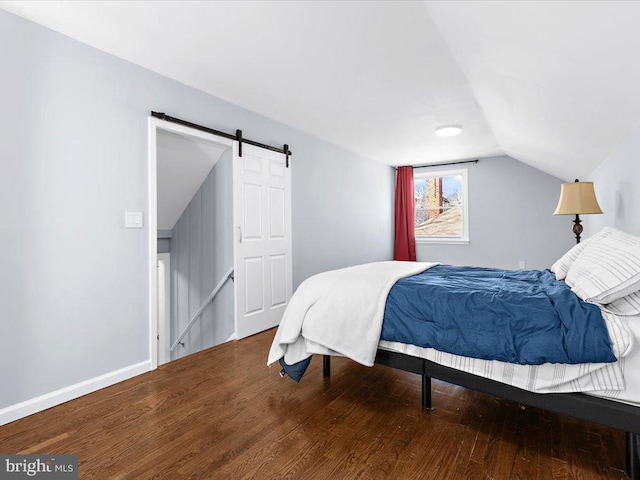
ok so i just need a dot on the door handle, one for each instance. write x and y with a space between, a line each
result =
239 233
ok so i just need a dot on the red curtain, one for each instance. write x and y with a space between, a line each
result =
405 237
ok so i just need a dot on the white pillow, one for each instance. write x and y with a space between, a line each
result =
562 266
607 269
628 305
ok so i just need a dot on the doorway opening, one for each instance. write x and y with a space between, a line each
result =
190 241
219 213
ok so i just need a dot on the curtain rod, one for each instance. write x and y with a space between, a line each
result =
238 136
442 164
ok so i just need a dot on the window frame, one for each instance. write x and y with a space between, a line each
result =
448 239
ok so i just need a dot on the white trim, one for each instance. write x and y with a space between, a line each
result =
464 238
48 400
190 132
156 124
235 155
442 240
152 226
164 307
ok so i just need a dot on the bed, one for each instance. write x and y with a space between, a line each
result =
326 318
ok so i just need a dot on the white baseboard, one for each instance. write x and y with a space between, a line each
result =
48 400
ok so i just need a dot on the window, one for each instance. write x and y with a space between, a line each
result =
441 208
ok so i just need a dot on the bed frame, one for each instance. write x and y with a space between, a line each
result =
585 407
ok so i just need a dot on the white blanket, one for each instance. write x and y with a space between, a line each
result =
339 313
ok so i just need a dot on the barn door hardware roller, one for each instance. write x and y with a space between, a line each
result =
239 139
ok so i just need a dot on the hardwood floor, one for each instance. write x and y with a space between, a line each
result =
222 413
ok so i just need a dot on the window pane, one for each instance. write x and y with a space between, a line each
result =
439 206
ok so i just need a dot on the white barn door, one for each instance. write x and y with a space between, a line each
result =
262 222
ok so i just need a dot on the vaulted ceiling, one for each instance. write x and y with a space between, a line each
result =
553 84
183 164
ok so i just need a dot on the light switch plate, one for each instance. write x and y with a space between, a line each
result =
133 220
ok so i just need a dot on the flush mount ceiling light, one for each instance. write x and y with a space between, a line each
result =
448 130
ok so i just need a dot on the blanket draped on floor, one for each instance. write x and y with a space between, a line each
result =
338 313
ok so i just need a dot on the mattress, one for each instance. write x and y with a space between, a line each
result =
619 381
630 367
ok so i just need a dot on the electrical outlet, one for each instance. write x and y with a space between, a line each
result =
521 265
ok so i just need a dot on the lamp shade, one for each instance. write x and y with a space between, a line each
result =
577 198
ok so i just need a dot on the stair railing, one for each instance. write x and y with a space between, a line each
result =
212 295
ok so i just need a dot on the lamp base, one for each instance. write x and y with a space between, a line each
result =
577 228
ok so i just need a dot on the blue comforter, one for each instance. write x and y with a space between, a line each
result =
525 317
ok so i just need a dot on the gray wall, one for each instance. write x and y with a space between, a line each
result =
201 253
511 218
73 284
164 241
342 214
164 245
617 185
